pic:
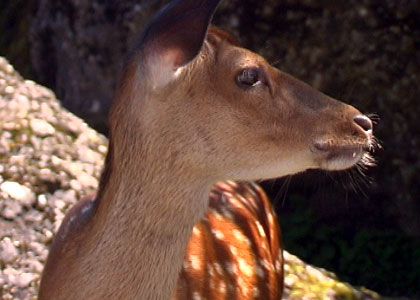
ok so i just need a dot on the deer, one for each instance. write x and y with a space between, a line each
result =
193 109
235 251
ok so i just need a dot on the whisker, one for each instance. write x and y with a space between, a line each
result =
357 181
367 161
282 191
342 181
376 144
374 117
351 180
288 180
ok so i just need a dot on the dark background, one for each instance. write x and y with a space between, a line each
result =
364 52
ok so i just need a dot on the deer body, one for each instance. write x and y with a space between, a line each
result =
234 252
192 108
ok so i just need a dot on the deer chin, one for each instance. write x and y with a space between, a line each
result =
336 157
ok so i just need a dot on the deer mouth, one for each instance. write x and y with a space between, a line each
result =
335 157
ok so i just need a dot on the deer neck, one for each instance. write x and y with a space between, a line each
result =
150 207
157 194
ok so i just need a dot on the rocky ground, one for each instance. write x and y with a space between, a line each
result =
48 159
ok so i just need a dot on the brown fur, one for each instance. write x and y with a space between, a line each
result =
168 146
234 251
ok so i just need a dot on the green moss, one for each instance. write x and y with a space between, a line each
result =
382 260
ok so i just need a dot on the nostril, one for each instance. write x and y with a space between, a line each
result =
363 122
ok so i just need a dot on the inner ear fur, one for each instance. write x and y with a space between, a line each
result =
175 36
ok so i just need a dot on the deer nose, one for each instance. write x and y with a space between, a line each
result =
364 122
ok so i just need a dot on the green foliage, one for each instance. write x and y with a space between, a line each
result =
381 260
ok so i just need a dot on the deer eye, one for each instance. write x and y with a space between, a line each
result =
249 77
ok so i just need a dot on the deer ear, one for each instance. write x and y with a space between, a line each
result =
174 38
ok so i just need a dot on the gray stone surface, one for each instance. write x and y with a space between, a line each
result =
45 152
78 48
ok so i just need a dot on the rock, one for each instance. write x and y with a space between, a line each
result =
33 216
42 201
41 128
18 192
45 174
11 209
21 280
38 149
86 89
35 266
2 279
87 180
39 249
87 155
8 251
303 281
75 185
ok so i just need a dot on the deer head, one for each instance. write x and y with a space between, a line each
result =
192 108
223 110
